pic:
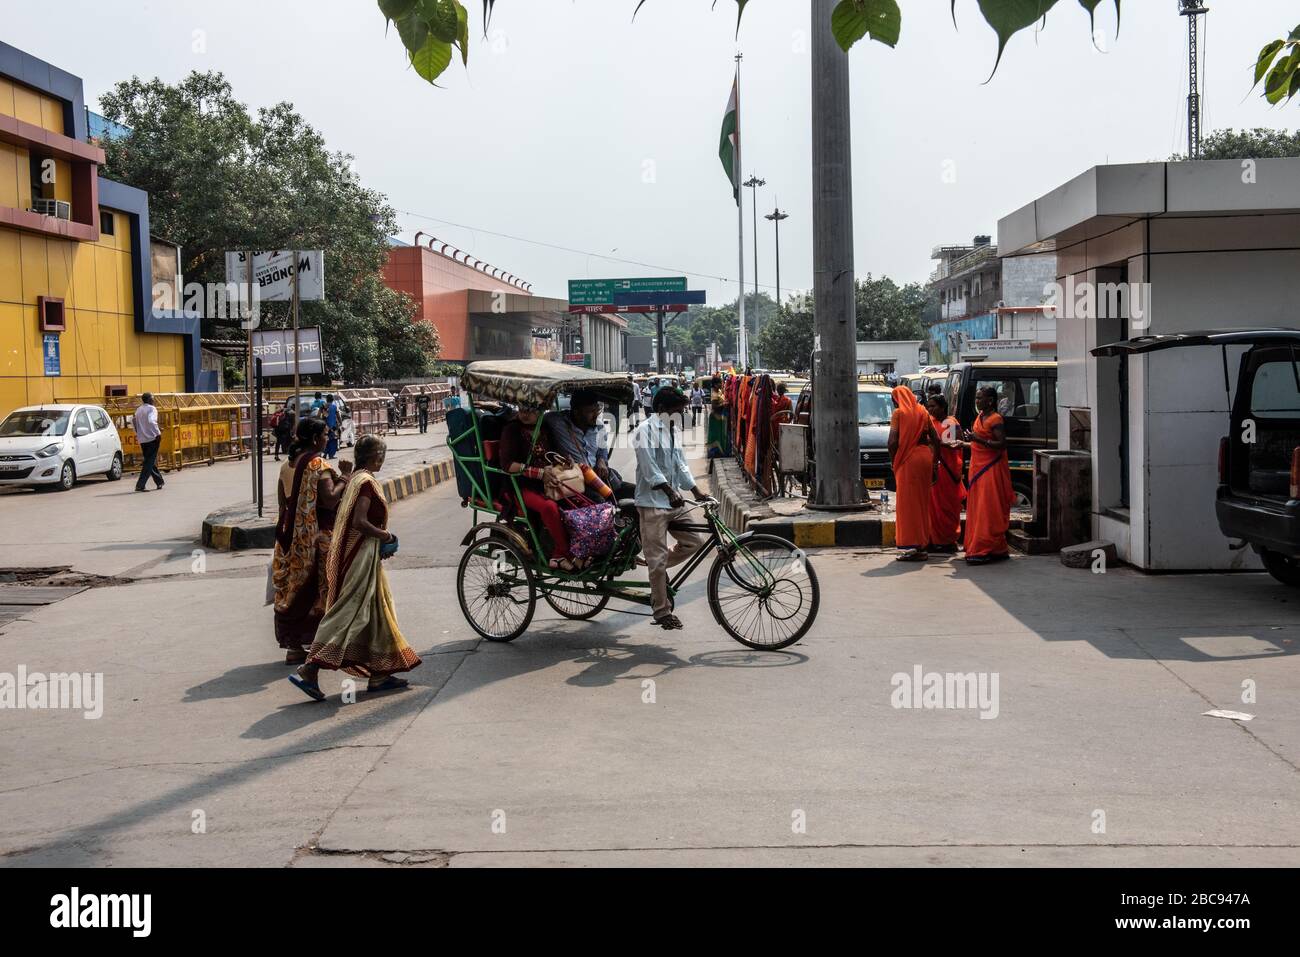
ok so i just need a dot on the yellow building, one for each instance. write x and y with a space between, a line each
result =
77 317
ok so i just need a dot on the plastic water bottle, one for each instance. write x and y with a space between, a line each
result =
884 501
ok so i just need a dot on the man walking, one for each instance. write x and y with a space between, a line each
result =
697 405
661 476
149 435
422 409
332 423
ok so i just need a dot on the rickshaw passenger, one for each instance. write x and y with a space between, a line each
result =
518 454
576 433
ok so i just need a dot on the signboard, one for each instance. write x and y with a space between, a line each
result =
640 350
577 359
596 292
275 348
670 307
273 273
1001 348
50 349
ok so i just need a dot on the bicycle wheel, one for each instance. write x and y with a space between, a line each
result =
578 607
764 594
497 592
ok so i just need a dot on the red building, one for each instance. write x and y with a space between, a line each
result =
483 312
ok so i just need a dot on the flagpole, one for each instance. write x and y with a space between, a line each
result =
742 342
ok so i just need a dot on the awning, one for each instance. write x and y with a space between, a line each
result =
1207 337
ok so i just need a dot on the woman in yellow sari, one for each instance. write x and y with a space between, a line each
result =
359 633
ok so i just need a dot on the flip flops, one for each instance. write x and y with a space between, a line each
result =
391 683
669 622
310 688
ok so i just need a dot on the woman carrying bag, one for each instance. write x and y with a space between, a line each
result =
540 480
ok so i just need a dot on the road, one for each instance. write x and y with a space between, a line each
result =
613 742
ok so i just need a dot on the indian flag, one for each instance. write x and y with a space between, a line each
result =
731 139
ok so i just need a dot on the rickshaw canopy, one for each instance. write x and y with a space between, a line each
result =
536 382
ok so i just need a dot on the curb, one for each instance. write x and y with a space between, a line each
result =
237 527
845 533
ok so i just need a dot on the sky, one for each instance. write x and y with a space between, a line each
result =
577 138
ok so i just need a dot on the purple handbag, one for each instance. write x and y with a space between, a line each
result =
591 527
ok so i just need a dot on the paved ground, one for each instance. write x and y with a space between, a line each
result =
547 750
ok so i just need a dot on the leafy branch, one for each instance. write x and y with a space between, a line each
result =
1279 67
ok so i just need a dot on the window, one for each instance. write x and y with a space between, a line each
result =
100 419
50 312
1018 398
35 422
106 224
875 408
81 422
1273 394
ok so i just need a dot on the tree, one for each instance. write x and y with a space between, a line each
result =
787 341
883 310
220 179
886 311
1259 143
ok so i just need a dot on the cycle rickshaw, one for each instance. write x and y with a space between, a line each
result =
761 589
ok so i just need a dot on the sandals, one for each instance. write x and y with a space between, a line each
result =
915 555
310 688
564 565
295 658
669 622
391 683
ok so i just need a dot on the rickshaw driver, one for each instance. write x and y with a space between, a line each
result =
661 475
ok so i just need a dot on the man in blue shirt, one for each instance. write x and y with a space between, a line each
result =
577 434
661 476
332 423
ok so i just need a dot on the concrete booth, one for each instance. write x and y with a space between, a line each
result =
1153 249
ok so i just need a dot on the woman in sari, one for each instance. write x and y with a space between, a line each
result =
308 493
988 503
911 439
947 493
359 632
719 431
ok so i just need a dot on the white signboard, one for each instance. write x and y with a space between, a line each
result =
275 348
273 273
1008 349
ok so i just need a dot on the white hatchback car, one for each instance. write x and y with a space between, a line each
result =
58 444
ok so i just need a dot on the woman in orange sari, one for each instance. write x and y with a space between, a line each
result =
988 505
947 493
911 440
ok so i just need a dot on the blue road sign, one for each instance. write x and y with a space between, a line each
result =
51 351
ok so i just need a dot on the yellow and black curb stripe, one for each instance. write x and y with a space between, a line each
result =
416 481
237 528
845 533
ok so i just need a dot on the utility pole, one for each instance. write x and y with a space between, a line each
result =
776 216
1191 9
838 482
754 183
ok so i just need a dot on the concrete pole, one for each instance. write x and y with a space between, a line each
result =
838 482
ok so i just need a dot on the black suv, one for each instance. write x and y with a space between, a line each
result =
1258 500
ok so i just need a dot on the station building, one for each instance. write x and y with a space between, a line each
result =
77 317
484 312
1163 248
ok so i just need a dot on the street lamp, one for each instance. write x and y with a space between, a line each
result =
776 216
754 183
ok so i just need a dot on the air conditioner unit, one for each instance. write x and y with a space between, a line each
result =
52 207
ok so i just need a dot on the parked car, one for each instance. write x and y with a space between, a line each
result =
1258 497
58 444
875 408
1027 403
